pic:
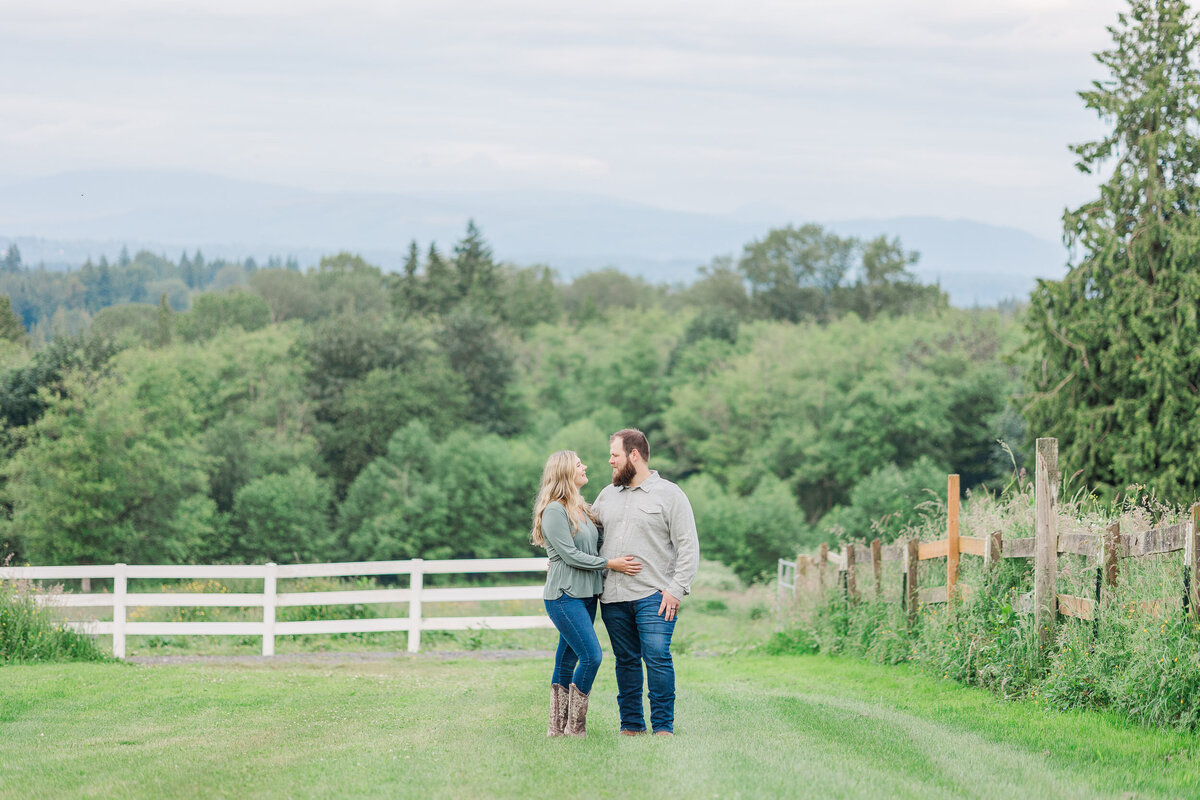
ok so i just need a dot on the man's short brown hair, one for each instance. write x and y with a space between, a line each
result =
633 439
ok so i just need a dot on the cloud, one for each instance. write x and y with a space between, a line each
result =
701 105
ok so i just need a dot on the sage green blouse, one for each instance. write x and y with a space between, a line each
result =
575 568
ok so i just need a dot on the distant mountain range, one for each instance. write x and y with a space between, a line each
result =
64 219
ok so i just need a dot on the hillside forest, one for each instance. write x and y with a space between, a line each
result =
811 387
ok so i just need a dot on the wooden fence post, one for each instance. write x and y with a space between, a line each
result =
851 585
877 566
1111 545
1192 556
120 592
822 564
801 574
994 550
416 582
912 559
270 597
1045 566
951 536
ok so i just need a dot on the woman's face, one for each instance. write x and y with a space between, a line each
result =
580 473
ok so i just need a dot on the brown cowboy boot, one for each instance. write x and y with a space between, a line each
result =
576 713
558 709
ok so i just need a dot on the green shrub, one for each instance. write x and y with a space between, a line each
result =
1141 657
29 633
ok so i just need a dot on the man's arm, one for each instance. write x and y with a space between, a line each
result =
686 541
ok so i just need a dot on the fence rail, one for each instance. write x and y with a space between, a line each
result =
1105 548
120 600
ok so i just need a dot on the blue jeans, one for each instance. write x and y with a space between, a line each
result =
639 634
578 658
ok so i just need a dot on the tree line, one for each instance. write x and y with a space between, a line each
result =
345 412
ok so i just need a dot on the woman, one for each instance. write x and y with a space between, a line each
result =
562 524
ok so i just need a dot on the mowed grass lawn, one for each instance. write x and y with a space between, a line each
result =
428 726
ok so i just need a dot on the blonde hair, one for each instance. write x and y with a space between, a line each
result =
558 485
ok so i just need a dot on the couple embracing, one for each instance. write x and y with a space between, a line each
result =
634 550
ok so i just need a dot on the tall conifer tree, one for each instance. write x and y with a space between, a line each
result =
1115 371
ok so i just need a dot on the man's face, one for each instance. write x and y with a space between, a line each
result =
622 466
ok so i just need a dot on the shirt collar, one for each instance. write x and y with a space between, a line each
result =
645 485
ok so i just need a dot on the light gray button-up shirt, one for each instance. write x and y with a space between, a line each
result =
654 523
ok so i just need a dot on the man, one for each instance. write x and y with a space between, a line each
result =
650 518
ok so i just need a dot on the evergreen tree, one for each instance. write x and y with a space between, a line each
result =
408 296
1115 364
11 328
123 259
163 323
440 283
477 274
12 259
186 272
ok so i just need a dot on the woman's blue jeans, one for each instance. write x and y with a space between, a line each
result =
578 658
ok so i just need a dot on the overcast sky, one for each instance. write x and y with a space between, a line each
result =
821 109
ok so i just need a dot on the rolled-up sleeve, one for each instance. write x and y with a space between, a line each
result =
556 530
686 542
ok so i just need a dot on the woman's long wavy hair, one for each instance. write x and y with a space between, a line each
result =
558 484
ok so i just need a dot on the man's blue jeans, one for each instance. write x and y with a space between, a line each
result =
639 634
578 658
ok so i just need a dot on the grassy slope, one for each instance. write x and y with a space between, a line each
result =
749 726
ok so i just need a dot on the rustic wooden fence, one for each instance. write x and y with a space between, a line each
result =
1103 549
120 600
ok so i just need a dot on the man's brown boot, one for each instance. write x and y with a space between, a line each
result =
558 709
576 713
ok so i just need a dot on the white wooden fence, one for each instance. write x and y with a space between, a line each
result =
120 600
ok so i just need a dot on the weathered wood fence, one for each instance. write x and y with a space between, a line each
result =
120 600
1104 548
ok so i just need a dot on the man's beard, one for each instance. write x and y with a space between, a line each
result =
625 475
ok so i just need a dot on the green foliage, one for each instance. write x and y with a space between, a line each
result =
39 295
1113 361
289 294
11 327
308 376
747 533
215 312
468 495
284 518
114 471
340 611
24 389
793 272
821 408
370 376
484 363
136 321
888 501
1139 658
721 288
29 634
591 295
799 274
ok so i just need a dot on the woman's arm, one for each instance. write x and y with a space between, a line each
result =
556 530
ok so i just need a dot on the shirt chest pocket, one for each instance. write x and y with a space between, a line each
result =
654 512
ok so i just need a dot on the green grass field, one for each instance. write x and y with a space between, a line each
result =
473 726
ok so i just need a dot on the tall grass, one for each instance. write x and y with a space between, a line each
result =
1141 657
30 634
